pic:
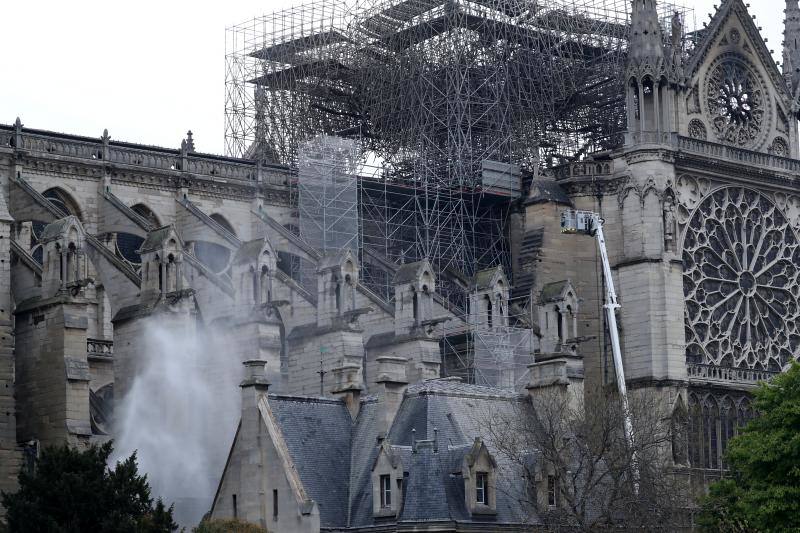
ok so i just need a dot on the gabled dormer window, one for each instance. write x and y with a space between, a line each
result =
387 479
479 471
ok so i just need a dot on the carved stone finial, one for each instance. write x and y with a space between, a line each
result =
18 123
189 142
105 136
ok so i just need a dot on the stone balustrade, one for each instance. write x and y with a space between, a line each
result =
727 374
147 157
99 349
584 168
738 155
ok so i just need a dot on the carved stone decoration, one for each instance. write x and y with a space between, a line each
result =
741 286
693 100
735 36
697 130
689 191
736 101
669 222
780 147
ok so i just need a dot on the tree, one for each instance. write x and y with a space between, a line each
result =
70 490
579 449
761 491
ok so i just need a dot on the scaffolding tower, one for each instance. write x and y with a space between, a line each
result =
327 194
453 103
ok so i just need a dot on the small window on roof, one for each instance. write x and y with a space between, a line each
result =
482 488
386 491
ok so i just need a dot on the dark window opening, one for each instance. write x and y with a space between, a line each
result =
274 504
235 510
551 491
560 325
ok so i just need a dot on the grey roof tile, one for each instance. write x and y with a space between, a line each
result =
318 435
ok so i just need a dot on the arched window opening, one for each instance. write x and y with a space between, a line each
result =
695 432
727 425
160 274
415 307
488 301
172 274
338 296
711 433
559 325
254 282
127 244
72 262
63 201
266 285
571 318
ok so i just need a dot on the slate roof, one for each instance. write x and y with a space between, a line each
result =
334 455
318 435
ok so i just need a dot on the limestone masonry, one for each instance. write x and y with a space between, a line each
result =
368 340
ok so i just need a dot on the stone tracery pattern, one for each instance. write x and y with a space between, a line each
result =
697 130
741 283
736 100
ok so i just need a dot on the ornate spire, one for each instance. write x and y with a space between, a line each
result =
646 49
791 44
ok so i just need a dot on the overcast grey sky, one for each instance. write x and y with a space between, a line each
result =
149 70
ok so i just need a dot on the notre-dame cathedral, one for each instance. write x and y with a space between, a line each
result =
353 387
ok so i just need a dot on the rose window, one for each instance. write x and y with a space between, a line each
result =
735 100
741 283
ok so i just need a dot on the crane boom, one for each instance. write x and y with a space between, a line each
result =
592 224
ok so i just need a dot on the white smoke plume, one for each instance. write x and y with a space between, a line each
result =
180 415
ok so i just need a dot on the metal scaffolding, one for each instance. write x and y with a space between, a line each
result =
454 103
327 194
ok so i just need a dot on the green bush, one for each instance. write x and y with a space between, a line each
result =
231 525
73 490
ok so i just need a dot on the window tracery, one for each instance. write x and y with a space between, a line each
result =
713 422
780 147
741 283
697 130
735 98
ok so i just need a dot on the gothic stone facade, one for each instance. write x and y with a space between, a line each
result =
702 218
